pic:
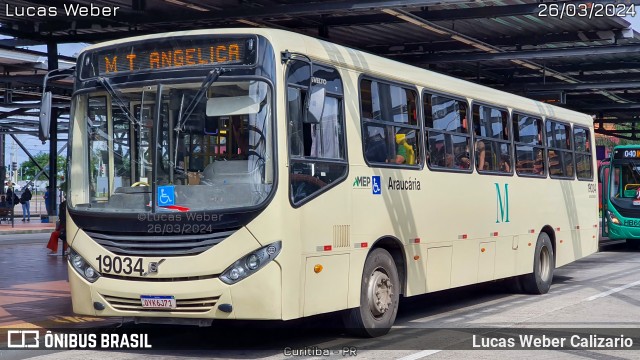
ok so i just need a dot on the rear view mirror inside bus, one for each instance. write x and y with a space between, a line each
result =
315 105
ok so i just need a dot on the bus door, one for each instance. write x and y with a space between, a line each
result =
604 196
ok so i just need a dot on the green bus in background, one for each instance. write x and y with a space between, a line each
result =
620 194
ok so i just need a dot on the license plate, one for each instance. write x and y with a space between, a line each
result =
158 302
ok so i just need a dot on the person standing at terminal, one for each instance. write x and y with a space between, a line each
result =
25 200
12 198
47 200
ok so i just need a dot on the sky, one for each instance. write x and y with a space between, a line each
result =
34 145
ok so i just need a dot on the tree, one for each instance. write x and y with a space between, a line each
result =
30 170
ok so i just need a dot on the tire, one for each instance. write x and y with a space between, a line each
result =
380 282
539 281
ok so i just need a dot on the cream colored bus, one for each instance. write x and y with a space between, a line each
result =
262 174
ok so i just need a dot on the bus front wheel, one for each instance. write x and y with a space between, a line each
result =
539 281
379 297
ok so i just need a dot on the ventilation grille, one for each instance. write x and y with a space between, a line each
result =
341 236
173 245
199 305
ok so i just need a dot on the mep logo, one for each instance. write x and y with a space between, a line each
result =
502 207
23 339
362 182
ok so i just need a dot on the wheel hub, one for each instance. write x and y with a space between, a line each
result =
380 293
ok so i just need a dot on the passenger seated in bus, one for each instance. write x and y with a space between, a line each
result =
505 163
481 164
465 159
404 152
376 148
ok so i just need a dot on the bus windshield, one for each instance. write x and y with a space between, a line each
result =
215 157
625 180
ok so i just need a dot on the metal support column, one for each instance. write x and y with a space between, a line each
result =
3 168
52 57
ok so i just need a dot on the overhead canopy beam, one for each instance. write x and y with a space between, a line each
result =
526 54
610 107
579 67
582 86
506 41
432 15
13 112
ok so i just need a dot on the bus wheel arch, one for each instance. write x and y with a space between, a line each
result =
395 248
380 291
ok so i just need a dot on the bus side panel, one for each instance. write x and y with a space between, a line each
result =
326 287
506 256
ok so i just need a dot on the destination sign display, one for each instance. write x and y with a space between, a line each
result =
169 53
627 154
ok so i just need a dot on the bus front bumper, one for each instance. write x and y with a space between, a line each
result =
256 297
623 232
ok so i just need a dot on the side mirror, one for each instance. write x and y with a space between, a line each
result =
314 106
45 116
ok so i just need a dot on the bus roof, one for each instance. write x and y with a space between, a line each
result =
377 66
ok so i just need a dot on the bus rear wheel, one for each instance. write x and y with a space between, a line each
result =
539 281
379 297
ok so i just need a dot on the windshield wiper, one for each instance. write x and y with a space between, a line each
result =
118 99
210 79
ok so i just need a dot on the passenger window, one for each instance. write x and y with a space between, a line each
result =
492 139
448 132
317 151
559 149
390 127
527 131
582 146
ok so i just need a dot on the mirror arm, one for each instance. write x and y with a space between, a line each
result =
45 114
287 56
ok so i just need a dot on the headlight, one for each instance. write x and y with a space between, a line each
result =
613 218
82 267
250 263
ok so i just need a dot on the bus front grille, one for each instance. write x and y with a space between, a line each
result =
199 305
154 245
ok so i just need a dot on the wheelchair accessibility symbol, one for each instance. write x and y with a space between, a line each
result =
166 195
377 185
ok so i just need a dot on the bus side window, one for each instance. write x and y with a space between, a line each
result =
389 123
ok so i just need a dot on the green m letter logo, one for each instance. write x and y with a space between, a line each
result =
502 209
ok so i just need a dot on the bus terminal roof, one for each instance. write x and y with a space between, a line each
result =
588 64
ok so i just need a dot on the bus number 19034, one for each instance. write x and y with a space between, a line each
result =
119 265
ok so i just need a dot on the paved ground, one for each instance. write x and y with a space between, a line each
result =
34 291
19 227
601 290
